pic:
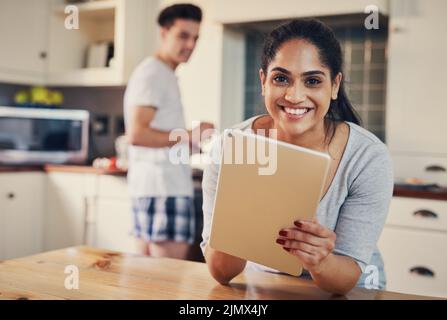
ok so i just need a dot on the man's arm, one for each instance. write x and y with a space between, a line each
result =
141 134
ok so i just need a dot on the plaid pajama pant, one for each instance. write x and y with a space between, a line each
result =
158 219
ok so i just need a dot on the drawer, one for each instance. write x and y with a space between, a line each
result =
415 261
431 169
23 183
112 186
418 213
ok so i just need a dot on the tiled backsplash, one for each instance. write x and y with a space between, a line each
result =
365 68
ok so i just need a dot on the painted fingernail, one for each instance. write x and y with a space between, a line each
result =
280 241
283 233
298 224
287 249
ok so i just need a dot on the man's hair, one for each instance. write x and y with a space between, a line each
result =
187 11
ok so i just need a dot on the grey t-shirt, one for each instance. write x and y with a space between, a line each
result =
355 206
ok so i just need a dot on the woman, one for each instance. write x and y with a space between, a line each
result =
302 85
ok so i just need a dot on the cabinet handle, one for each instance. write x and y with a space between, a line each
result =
422 271
425 214
10 195
435 168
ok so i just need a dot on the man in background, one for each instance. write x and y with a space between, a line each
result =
162 191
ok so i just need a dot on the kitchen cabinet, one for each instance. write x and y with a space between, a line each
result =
416 109
38 47
21 214
24 36
69 201
129 25
413 243
111 224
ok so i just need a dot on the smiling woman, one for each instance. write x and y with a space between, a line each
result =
302 86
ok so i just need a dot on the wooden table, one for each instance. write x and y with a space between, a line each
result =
105 274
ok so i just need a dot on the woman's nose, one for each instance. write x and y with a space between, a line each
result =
295 94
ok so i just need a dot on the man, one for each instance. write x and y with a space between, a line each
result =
161 190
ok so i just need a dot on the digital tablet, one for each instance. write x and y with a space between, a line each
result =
264 185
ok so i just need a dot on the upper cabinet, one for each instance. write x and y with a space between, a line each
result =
61 40
23 36
416 107
126 24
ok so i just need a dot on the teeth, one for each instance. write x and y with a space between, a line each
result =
295 111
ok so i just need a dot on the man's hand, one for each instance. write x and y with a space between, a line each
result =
198 134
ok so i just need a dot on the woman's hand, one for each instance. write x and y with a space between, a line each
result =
309 241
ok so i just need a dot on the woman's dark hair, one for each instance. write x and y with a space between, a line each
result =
186 11
322 37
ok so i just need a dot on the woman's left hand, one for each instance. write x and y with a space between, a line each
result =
309 241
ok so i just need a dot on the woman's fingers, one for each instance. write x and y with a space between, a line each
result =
292 244
293 235
297 235
315 228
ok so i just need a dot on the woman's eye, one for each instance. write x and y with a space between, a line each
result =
313 81
280 79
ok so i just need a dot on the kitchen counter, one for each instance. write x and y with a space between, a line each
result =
197 173
105 274
432 193
61 168
399 191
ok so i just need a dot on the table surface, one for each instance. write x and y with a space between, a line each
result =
105 274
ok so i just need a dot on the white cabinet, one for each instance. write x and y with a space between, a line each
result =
23 37
428 168
38 47
112 222
413 245
113 225
130 25
21 203
416 110
69 200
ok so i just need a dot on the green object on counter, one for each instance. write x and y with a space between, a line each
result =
21 97
39 95
56 98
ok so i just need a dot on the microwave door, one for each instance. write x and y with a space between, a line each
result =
33 140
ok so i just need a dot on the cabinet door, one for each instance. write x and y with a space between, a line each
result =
113 225
416 109
415 261
21 218
68 195
23 35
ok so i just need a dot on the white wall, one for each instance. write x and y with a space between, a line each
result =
200 78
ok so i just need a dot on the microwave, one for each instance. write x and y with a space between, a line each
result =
41 136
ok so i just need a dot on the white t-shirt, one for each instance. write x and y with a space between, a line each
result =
151 173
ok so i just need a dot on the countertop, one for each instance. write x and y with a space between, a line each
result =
399 191
105 274
63 168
